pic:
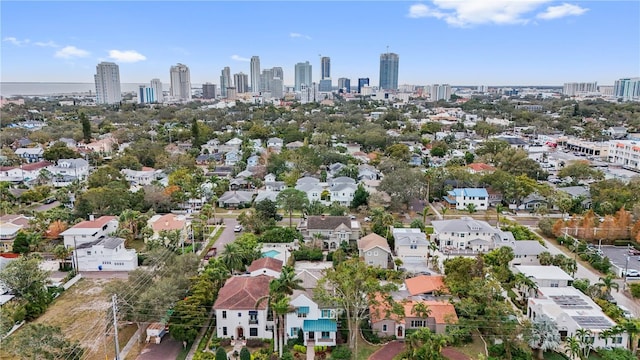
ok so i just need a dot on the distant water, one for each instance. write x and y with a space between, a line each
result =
54 88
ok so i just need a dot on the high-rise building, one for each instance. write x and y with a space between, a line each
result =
146 95
241 82
389 71
344 85
208 91
361 83
255 73
156 84
325 85
265 80
180 82
303 75
231 93
107 79
627 89
225 81
573 89
440 92
325 68
278 72
277 83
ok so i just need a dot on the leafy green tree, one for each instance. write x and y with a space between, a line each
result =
86 128
423 344
59 150
126 161
187 318
398 151
580 170
360 197
291 200
316 208
490 148
27 281
41 341
439 149
104 176
266 209
21 243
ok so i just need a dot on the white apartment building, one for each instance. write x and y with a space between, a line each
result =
625 153
107 79
156 84
579 88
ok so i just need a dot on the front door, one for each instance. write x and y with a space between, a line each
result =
240 332
311 335
399 331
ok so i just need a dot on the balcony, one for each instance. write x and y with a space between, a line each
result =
253 321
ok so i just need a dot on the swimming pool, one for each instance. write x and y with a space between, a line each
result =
271 253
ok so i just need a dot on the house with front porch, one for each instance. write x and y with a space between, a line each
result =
317 321
30 155
461 198
331 230
241 308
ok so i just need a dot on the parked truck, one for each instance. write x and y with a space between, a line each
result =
155 332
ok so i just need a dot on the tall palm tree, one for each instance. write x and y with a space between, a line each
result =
572 347
632 328
230 257
499 209
421 310
62 253
426 212
586 344
526 283
607 283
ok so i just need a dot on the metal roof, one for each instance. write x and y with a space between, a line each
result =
320 325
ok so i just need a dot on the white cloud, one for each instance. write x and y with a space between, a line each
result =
46 44
126 56
15 41
464 13
239 58
69 52
298 35
556 12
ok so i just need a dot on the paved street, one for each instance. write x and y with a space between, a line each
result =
227 235
168 349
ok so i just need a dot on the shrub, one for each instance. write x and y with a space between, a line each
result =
221 354
330 256
308 254
368 333
255 342
280 235
616 354
225 342
635 290
245 354
341 353
546 226
300 348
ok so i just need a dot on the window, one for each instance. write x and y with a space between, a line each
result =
418 323
239 314
384 328
88 252
461 234
413 246
224 331
368 253
554 284
617 340
294 332
253 331
325 314
375 253
302 315
325 335
253 317
224 314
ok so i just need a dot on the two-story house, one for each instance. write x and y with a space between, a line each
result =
317 321
30 155
67 171
410 243
139 177
342 190
105 254
266 266
89 231
313 188
375 251
275 143
232 157
542 276
461 198
464 233
368 172
241 308
332 230
24 172
253 160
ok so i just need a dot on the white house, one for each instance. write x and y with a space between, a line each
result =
545 276
332 230
310 186
266 266
232 157
275 143
24 172
68 170
30 155
253 160
139 177
410 243
105 254
317 322
89 231
572 310
457 234
461 198
342 190
238 311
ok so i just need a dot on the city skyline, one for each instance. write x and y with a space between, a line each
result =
492 42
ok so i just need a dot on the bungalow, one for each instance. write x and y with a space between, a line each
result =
368 172
440 314
105 254
410 243
235 199
294 145
425 285
30 155
8 233
375 251
89 231
461 198
480 168
545 276
333 230
239 311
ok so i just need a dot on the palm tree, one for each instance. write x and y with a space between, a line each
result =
317 240
586 342
443 211
499 209
432 248
606 284
62 253
572 347
209 211
632 328
605 335
425 212
527 283
230 257
471 208
381 220
421 310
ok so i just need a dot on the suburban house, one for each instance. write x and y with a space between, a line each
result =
265 266
415 160
460 198
294 145
525 252
480 168
253 160
425 285
24 172
105 254
368 172
232 157
342 190
275 143
30 155
8 233
163 225
235 199
384 323
239 313
375 251
67 171
313 188
332 230
89 231
572 310
318 322
543 276
410 243
139 177
462 234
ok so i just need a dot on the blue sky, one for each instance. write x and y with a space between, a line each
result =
492 42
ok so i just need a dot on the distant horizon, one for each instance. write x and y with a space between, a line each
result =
437 41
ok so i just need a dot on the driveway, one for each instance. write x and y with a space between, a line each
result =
388 351
227 236
168 349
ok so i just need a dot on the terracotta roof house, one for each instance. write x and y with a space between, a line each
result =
266 266
169 222
375 251
239 313
89 231
424 284
385 323
481 168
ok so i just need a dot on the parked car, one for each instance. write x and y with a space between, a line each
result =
634 251
211 253
632 273
237 228
626 312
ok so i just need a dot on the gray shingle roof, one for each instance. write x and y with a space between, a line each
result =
327 222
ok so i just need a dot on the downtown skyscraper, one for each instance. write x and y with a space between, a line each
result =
255 74
180 82
107 79
225 81
302 75
241 81
156 84
325 74
389 71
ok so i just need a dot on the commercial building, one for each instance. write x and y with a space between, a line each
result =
180 82
303 75
225 81
389 71
156 84
325 68
362 82
146 95
255 73
208 91
107 79
344 85
627 89
581 88
241 81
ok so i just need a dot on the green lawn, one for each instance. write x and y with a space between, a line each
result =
554 356
365 350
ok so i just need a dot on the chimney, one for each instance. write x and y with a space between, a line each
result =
92 217
322 217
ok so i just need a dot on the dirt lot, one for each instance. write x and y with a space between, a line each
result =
81 314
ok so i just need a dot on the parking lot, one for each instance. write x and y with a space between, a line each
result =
618 256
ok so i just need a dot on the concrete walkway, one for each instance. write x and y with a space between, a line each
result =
132 341
435 211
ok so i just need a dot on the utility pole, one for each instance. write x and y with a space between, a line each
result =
114 306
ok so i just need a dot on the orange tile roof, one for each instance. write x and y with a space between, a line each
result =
481 167
424 284
266 263
243 293
95 224
168 222
443 312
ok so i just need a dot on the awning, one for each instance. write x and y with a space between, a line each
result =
320 325
303 310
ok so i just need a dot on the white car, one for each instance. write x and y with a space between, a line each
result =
237 228
632 273
367 219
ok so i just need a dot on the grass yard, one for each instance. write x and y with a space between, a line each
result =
365 350
554 356
81 314
473 349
